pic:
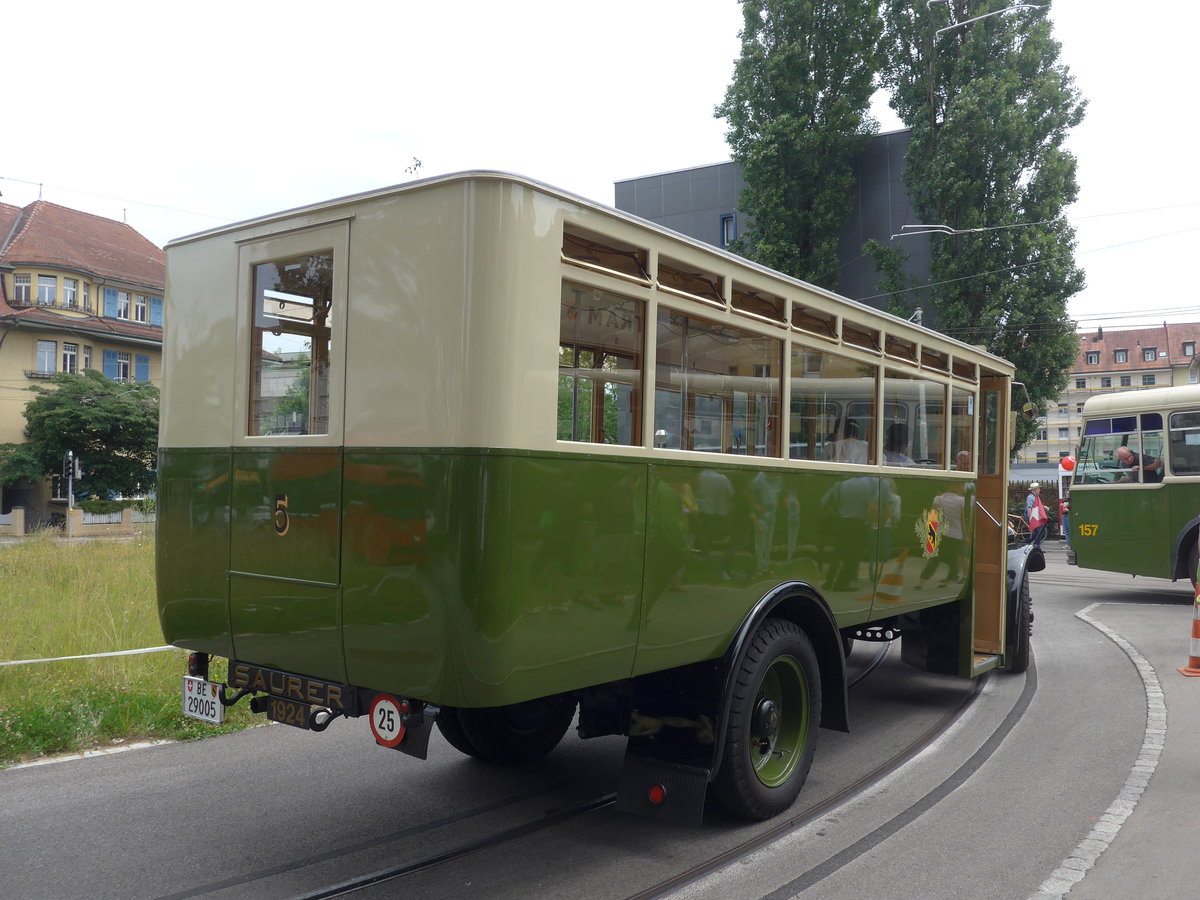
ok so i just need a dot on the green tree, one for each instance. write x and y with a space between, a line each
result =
112 429
797 114
990 105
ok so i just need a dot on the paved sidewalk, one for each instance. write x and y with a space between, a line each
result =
1153 851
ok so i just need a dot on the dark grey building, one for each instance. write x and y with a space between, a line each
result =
702 203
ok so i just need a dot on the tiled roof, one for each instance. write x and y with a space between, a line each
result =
103 326
8 218
47 234
1168 337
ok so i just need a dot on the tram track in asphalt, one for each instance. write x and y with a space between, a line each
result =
552 819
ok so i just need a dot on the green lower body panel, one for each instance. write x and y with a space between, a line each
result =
481 578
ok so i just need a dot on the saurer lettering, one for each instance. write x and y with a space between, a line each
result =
281 684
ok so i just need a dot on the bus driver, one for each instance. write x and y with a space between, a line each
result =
1151 467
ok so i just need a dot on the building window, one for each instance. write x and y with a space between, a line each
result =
1041 436
70 292
1121 356
46 352
1126 381
21 289
728 230
47 290
1093 358
122 367
87 297
1105 381
1064 434
1189 348
70 357
1149 354
1078 407
1081 383
1043 456
122 305
1147 379
139 308
87 356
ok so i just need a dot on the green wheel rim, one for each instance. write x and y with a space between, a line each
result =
779 723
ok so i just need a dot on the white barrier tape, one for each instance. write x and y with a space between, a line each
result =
26 662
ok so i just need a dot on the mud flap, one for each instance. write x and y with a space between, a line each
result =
663 790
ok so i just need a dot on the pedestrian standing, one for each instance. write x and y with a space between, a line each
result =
1064 517
1035 515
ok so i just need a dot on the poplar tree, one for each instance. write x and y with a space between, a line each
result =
796 111
990 105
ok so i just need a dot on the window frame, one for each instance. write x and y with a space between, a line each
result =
47 357
47 290
22 288
332 235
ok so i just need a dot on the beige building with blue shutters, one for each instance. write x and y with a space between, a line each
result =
77 292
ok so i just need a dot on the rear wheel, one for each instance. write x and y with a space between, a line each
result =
508 735
773 716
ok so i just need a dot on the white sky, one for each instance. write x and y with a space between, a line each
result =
180 117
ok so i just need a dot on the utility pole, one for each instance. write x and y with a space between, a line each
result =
70 465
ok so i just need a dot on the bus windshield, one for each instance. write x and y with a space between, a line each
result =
1121 450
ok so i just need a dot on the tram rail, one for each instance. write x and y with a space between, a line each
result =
557 818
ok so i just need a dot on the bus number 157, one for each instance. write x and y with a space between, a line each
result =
1089 530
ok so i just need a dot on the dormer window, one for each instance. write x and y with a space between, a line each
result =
1093 358
1121 356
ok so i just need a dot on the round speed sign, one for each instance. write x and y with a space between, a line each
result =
387 719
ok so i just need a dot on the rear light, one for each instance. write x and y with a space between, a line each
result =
197 665
657 795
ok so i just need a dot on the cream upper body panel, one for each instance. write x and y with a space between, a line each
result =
445 314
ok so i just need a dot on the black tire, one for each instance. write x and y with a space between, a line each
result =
1016 659
451 728
773 717
508 735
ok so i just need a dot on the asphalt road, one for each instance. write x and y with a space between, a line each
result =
1009 801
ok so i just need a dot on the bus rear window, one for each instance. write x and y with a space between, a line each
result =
289 391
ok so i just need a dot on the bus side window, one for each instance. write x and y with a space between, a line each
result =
1152 447
1185 443
599 366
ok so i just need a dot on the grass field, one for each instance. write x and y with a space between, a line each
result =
66 598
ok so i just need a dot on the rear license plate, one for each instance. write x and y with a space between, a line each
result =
202 701
288 712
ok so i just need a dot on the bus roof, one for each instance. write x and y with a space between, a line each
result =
1143 400
483 175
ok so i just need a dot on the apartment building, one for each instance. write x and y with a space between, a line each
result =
77 291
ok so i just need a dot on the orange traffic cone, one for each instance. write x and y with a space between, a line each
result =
1192 669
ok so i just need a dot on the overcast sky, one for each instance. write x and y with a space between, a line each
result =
181 117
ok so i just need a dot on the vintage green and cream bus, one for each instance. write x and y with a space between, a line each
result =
1135 498
478 453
